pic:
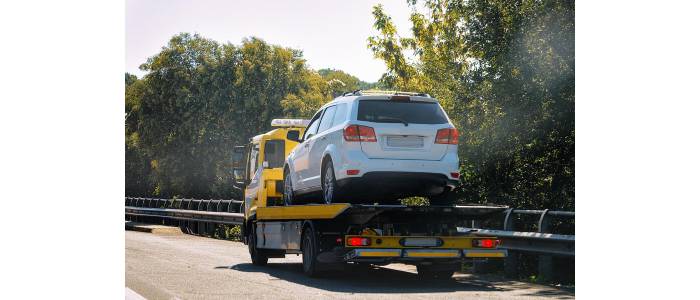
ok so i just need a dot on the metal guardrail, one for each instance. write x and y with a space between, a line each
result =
192 215
190 212
542 241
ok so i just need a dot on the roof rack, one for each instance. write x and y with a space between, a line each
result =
380 92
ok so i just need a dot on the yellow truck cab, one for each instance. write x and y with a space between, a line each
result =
258 165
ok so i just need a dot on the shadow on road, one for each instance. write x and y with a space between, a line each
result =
368 280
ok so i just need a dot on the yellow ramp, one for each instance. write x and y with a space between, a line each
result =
295 212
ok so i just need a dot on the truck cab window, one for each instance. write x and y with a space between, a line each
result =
253 161
274 153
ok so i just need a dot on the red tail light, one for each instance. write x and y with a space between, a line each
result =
447 136
358 241
359 133
485 243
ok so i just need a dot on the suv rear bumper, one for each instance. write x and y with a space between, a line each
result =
397 184
357 160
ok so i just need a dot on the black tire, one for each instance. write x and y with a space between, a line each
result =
288 193
427 272
329 187
309 252
258 257
447 197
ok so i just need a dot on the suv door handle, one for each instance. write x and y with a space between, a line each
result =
306 145
323 138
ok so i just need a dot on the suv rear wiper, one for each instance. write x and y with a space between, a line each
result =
394 119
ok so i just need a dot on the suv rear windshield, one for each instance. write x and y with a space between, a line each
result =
388 111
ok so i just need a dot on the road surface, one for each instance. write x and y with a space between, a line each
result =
191 267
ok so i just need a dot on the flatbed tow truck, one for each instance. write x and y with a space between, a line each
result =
330 236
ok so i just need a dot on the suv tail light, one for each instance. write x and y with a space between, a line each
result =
447 136
485 243
359 133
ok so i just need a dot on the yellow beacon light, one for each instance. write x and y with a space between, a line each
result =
289 123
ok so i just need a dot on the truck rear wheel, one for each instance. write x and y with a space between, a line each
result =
309 252
258 257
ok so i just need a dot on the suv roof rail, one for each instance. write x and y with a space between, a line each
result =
382 92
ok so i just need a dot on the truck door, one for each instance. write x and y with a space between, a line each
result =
253 172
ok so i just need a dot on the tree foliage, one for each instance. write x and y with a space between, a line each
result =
200 98
504 71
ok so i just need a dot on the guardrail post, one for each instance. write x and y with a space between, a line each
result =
510 263
544 262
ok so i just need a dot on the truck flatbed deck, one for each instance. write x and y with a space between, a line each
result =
362 213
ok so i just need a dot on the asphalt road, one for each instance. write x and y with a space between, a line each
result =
191 267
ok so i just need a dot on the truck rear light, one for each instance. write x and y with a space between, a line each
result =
358 241
359 133
448 136
454 174
485 243
353 172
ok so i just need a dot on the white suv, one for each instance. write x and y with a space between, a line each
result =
374 148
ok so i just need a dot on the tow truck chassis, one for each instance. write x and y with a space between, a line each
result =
372 234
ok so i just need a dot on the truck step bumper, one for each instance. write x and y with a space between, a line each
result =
398 254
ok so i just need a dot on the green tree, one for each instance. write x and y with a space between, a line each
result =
199 99
504 71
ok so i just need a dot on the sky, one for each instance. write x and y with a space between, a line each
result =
332 34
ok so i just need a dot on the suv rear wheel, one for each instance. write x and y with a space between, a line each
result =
328 185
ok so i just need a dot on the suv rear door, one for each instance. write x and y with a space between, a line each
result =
405 129
319 145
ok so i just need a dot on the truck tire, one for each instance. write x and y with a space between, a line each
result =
309 252
329 186
258 257
430 273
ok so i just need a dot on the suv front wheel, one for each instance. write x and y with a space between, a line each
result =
288 192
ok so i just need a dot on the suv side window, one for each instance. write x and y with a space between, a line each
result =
340 114
313 126
327 119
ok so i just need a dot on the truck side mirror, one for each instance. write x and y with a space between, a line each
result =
293 135
239 177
